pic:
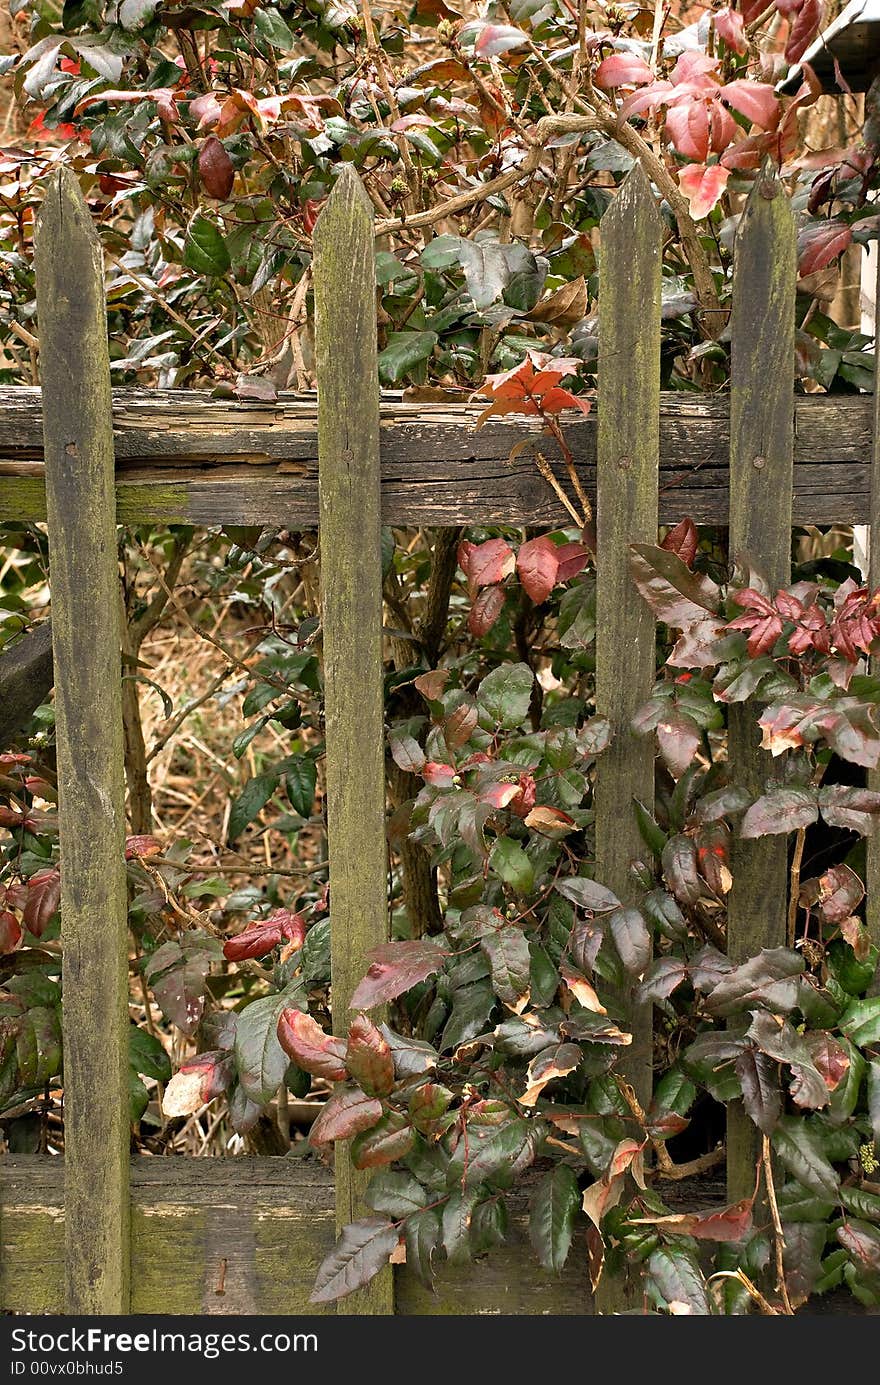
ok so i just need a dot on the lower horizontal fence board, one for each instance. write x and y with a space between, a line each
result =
272 1221
242 1236
185 458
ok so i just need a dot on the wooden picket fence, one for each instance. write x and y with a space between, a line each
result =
99 1232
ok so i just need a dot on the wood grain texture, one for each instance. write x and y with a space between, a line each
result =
271 1221
78 434
351 600
628 455
183 457
761 450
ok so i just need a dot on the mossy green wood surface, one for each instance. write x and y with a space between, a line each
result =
872 877
351 595
81 510
628 450
761 452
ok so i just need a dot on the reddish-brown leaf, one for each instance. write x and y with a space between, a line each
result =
395 968
486 610
369 1058
44 897
261 937
538 567
683 540
303 1040
347 1113
215 169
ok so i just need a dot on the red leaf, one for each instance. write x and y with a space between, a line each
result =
395 968
538 567
755 100
819 244
803 30
682 540
10 932
622 70
303 1040
486 610
264 935
494 39
441 776
347 1113
486 563
572 559
703 187
729 27
141 846
731 1224
44 897
369 1058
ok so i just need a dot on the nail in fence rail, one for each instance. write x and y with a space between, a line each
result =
351 593
627 466
761 456
81 511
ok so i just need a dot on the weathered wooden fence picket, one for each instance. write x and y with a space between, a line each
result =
243 1235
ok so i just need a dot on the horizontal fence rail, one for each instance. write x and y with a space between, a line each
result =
242 1235
185 458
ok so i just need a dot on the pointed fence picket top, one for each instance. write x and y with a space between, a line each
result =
627 466
351 594
761 453
81 512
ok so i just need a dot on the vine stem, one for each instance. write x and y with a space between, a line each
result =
778 1234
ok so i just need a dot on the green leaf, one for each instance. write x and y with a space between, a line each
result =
511 864
396 1193
361 1251
403 352
315 955
389 1139
271 27
146 1055
860 1021
505 694
300 783
422 1233
554 1207
499 1155
204 248
471 1009
259 1058
676 1275
138 1097
253 797
507 949
800 1152
176 974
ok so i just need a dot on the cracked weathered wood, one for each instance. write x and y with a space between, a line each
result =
761 449
628 456
183 457
84 581
351 614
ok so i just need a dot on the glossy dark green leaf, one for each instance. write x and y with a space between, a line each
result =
504 695
675 1273
205 249
259 1058
801 1152
553 1211
507 949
